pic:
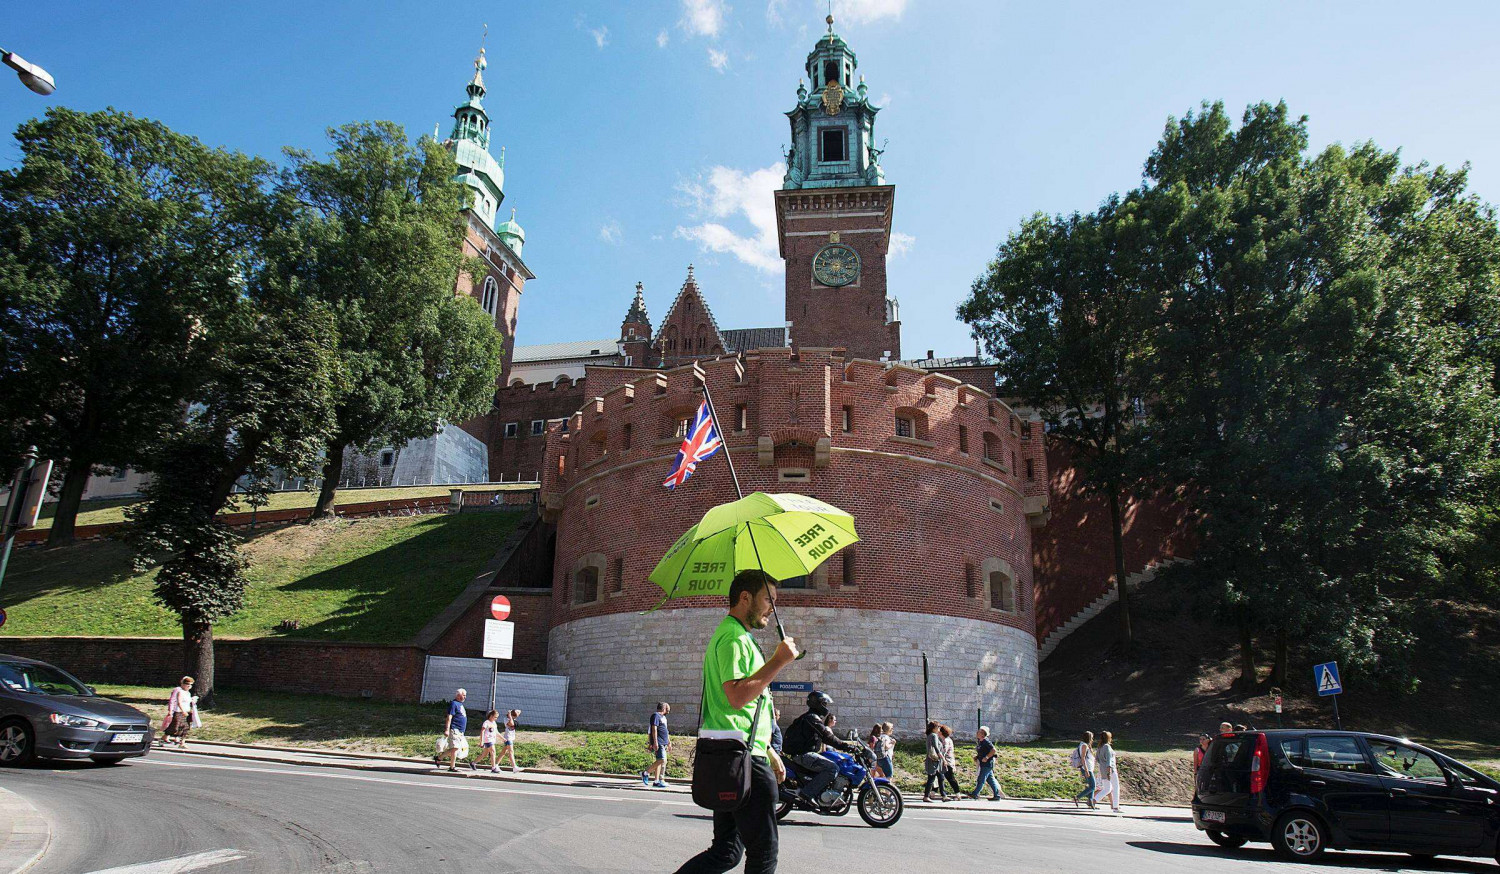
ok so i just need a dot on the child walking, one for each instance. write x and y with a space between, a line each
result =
487 734
509 738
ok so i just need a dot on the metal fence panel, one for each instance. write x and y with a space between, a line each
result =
543 698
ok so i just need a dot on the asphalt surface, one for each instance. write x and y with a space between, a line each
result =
180 812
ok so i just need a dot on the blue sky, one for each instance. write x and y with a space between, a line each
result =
643 136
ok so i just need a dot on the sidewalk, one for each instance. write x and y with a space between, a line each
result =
678 788
24 833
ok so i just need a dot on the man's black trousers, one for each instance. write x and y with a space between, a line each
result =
747 832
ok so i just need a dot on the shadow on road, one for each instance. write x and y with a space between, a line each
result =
1368 861
785 823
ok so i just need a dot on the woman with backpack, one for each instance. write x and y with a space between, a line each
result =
934 764
1082 760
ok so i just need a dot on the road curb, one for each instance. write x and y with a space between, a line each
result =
28 836
362 762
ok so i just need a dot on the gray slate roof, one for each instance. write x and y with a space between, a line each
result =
572 349
745 339
954 361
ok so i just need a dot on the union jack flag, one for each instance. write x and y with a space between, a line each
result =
700 442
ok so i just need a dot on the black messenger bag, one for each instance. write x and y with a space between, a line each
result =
722 765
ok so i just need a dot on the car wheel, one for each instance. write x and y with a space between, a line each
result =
1228 842
107 760
1299 835
17 743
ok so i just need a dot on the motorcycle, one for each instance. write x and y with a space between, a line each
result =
878 799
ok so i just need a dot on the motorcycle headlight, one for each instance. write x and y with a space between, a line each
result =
74 721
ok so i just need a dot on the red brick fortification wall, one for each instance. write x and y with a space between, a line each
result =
936 518
1074 560
520 457
388 673
531 611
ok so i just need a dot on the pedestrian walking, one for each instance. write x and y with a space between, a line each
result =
657 740
873 742
508 738
454 725
489 732
933 764
984 756
886 749
1108 772
1082 758
736 680
1200 750
182 712
950 760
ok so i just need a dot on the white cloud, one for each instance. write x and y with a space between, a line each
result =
662 39
611 232
704 17
844 11
717 59
601 36
864 11
726 196
901 243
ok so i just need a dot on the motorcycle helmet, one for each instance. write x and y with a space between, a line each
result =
819 702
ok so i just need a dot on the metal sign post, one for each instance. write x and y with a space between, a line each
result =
1326 681
926 711
499 643
978 704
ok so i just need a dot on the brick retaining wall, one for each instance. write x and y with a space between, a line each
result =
386 672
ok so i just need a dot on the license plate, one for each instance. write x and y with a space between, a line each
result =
128 737
1212 816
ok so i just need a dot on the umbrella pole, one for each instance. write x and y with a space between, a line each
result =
713 414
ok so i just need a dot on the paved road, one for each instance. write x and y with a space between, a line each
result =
177 812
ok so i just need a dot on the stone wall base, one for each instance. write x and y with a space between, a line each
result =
870 661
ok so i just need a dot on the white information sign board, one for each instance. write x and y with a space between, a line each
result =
499 638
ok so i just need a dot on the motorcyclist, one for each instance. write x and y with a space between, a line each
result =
805 741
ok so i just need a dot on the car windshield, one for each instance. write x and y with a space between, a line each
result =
38 680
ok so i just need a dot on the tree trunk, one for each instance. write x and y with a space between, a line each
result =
1247 678
1117 529
1279 666
75 480
198 651
333 466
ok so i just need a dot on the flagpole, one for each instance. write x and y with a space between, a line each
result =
713 415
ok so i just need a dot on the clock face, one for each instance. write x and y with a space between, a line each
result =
836 265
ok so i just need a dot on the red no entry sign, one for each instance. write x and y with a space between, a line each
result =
500 608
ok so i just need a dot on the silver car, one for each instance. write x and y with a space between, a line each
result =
45 712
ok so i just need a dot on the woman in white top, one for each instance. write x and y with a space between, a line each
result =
1084 756
488 731
182 708
1108 772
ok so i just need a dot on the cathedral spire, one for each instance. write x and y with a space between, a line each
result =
470 143
833 123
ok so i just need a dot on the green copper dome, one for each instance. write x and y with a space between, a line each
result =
511 233
470 143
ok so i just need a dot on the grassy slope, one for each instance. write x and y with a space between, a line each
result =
113 509
376 580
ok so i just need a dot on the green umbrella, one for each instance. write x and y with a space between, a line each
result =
783 535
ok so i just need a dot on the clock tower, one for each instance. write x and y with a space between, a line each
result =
833 213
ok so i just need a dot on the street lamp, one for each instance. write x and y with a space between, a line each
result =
32 76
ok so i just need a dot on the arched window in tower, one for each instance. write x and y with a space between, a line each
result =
830 71
489 297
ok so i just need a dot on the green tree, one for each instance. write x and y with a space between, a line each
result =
1315 385
266 403
385 250
119 238
1063 309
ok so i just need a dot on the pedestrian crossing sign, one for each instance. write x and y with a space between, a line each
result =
1326 678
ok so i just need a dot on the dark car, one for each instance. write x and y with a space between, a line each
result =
46 712
1307 790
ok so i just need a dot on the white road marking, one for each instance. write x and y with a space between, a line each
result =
446 784
179 864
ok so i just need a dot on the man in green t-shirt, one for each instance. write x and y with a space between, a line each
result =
735 679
